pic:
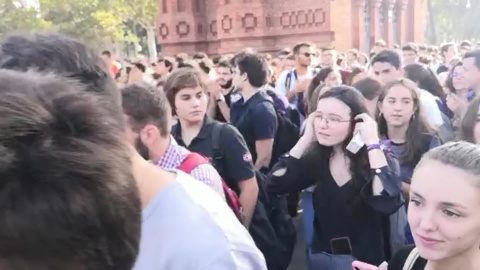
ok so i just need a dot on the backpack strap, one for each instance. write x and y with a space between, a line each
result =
288 79
216 132
192 161
411 259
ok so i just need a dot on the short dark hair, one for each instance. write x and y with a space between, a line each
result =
425 59
474 54
290 57
206 65
63 56
68 196
167 63
388 56
410 47
254 66
297 47
200 56
369 87
328 48
466 43
284 52
140 66
182 78
107 53
145 104
445 47
225 64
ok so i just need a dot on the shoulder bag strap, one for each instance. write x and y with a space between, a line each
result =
411 259
192 161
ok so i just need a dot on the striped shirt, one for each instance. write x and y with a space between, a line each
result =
206 173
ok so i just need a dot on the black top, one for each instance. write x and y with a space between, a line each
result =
236 165
256 119
406 168
442 68
367 228
398 261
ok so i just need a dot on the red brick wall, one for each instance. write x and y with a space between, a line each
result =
341 24
267 25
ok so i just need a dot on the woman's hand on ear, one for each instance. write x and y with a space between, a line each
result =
309 134
368 129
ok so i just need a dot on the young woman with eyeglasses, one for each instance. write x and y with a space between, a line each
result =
457 91
355 193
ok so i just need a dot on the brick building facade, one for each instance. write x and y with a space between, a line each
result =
227 26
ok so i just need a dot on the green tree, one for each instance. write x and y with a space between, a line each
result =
454 19
143 13
92 21
15 15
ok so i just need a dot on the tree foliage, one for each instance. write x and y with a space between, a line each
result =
455 19
92 21
16 15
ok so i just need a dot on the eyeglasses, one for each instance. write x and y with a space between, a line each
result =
307 54
334 120
456 75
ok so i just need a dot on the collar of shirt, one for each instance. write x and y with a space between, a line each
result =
173 157
202 134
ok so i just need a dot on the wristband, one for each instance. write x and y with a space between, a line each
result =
374 146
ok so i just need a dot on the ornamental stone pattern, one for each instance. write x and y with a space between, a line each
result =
228 26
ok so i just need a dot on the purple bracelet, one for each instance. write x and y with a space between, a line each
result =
373 147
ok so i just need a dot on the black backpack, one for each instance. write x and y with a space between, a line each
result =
287 133
271 228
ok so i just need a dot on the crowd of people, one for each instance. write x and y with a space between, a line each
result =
202 162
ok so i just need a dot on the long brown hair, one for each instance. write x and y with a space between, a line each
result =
417 127
469 120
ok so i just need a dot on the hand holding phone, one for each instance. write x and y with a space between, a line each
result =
357 265
367 127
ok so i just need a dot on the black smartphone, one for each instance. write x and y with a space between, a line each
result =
341 246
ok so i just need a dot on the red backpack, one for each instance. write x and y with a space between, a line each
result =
194 160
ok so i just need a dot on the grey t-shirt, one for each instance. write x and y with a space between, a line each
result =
188 226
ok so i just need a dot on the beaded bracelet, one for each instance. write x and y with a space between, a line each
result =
373 146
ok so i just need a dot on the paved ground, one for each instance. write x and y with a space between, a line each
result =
298 259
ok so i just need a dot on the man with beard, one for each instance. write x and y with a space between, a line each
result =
148 117
222 97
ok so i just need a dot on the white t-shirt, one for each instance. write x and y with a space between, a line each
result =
280 88
428 103
188 226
